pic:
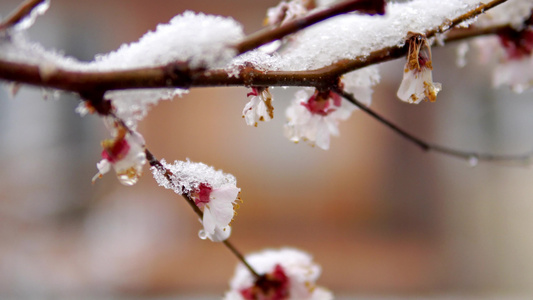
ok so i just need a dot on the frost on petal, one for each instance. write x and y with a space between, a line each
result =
213 191
187 176
287 273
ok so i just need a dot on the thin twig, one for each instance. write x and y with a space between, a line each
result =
524 158
265 36
460 34
154 162
20 13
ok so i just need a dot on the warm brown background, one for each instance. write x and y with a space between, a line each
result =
378 214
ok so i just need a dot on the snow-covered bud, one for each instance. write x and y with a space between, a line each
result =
417 83
125 153
259 108
285 274
212 191
313 118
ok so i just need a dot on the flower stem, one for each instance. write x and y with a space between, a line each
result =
154 162
521 159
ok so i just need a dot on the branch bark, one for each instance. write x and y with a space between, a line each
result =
179 75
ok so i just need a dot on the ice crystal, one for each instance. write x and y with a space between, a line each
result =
187 176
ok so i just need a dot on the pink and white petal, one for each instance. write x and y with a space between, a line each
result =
322 135
320 293
103 166
225 193
209 222
222 212
220 234
262 111
332 126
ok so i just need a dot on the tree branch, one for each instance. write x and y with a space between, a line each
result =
20 13
179 75
268 35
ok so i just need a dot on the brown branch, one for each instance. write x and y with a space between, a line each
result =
179 75
394 52
523 159
20 13
460 34
268 35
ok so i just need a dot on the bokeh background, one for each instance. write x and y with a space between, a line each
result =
381 216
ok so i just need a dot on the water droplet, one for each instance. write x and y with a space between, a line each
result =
473 161
128 180
129 177
202 234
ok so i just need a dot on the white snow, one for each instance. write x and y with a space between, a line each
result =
353 35
188 175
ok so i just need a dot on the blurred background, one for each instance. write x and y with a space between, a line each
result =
379 215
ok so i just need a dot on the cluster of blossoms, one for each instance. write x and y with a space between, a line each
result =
212 191
286 274
314 115
125 152
417 83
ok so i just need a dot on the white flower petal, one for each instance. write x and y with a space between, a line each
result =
208 221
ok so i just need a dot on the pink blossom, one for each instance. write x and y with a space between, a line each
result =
285 274
217 205
313 118
125 153
515 67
